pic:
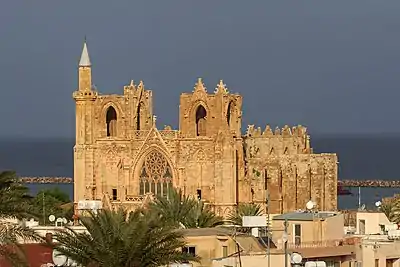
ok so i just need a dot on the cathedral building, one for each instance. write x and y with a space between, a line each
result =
122 158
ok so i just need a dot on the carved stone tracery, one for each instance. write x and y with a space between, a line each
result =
155 174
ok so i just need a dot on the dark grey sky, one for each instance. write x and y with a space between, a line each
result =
333 66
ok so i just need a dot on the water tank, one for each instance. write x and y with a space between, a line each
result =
394 234
315 264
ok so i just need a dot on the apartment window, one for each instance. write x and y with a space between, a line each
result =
361 227
389 263
376 262
114 194
189 250
224 251
297 234
332 264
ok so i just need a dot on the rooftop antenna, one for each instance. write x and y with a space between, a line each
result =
359 197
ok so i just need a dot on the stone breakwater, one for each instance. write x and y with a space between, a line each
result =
47 180
342 183
370 183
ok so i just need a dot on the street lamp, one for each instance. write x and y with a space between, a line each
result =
285 240
310 205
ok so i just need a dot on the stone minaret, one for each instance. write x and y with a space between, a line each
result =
84 97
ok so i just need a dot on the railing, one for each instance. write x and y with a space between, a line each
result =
135 198
315 244
165 134
323 243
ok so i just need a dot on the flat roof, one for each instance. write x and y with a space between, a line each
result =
304 216
207 231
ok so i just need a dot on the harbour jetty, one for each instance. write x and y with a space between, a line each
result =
47 180
395 183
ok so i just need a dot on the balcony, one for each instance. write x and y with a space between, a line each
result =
320 244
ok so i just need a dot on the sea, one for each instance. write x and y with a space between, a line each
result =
360 157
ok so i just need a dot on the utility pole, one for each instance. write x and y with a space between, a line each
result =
44 212
286 241
268 232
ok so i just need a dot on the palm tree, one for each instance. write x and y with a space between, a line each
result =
15 203
184 211
201 216
119 239
391 208
244 209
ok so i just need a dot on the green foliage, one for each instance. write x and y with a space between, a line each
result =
184 211
15 202
53 201
391 208
256 172
119 239
244 209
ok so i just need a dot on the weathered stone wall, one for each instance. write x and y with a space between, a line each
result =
206 155
282 165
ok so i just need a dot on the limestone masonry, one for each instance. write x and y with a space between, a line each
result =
121 158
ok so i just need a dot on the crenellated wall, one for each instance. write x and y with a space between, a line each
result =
281 164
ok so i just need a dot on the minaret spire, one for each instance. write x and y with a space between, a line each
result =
85 60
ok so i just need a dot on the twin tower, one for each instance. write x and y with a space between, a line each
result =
123 159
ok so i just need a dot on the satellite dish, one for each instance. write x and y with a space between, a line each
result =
71 263
296 258
58 258
52 218
64 220
363 207
310 205
378 204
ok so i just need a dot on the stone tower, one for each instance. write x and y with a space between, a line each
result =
85 98
123 159
211 144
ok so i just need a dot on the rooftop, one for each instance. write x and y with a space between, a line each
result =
207 231
305 216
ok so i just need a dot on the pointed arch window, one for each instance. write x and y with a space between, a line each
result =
138 116
111 122
231 115
228 114
201 115
155 175
141 116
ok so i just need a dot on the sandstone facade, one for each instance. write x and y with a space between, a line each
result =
121 157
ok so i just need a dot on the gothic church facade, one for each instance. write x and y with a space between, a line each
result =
122 158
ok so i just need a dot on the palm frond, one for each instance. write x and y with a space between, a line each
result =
116 238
